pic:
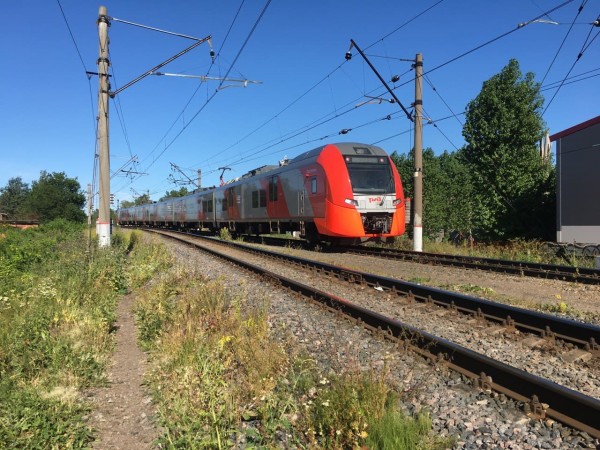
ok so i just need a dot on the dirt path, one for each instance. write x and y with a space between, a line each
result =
123 412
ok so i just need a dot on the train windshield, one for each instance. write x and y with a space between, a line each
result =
370 175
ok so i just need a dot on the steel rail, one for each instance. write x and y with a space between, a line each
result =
546 325
541 397
523 268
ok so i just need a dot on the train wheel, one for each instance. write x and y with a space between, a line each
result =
312 235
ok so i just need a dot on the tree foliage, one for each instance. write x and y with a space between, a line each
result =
13 197
141 200
53 196
502 128
447 191
175 193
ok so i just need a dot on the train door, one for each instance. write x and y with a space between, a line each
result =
301 196
273 197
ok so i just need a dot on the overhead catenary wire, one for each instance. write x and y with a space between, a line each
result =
72 37
120 114
563 41
478 47
243 46
338 108
197 88
220 84
491 41
580 77
217 56
88 76
584 47
322 80
155 29
428 81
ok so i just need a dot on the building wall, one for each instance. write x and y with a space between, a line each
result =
578 170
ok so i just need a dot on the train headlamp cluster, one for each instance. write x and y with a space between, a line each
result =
351 201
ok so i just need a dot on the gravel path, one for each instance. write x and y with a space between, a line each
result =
477 420
123 413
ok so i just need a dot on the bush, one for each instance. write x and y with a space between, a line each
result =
57 310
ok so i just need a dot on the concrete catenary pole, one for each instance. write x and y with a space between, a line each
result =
418 176
89 204
103 143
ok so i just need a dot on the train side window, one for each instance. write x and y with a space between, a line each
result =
313 185
273 189
209 206
262 198
259 198
223 204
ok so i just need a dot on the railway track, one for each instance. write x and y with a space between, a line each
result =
544 325
540 396
521 268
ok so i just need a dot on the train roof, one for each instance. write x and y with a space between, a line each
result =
345 148
258 170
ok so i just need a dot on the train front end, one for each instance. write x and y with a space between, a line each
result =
365 195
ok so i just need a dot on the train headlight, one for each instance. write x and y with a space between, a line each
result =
397 202
351 201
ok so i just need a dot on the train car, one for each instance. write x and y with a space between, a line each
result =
345 193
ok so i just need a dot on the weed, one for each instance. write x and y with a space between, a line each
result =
58 312
420 280
220 379
472 288
225 234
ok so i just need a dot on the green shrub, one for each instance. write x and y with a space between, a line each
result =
225 234
57 313
30 421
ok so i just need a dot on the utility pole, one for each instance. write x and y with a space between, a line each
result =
89 204
199 178
418 176
417 118
103 89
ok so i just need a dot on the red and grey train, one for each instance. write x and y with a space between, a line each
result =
344 193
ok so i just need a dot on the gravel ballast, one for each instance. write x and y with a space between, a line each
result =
475 419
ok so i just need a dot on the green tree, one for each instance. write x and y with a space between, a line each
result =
13 197
54 195
447 191
175 193
502 128
142 200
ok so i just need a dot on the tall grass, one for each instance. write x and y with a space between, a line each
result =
515 250
221 380
57 313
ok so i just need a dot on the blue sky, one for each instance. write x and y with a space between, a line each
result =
308 92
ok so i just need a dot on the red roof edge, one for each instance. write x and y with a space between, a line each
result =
575 128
